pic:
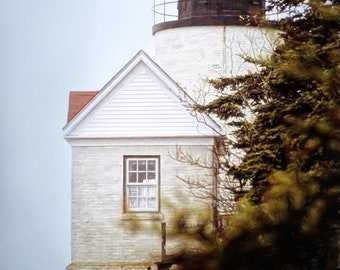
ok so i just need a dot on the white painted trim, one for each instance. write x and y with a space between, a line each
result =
141 56
142 216
165 141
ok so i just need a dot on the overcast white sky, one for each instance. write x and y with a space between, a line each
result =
47 48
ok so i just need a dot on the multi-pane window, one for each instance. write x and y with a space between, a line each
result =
141 183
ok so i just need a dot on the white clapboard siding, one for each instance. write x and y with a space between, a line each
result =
141 105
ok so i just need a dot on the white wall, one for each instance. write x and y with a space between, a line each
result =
100 235
190 54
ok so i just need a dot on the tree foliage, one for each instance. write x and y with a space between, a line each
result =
286 121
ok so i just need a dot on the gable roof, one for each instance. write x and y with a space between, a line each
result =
77 100
141 100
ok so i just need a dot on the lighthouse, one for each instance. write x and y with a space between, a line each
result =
130 139
199 39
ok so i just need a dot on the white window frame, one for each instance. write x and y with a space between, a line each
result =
141 183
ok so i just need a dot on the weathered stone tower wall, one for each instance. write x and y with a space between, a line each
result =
191 54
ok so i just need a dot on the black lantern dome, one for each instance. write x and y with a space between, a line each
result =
206 12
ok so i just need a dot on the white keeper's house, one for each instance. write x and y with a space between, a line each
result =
125 137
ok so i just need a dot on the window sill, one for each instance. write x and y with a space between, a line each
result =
142 216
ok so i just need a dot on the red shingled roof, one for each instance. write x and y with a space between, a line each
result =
77 101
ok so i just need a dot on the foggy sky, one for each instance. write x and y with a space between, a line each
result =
47 49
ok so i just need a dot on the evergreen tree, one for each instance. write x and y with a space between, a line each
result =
289 218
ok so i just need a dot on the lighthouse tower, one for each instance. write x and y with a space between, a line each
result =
131 140
199 39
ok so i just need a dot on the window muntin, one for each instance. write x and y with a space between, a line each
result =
141 184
